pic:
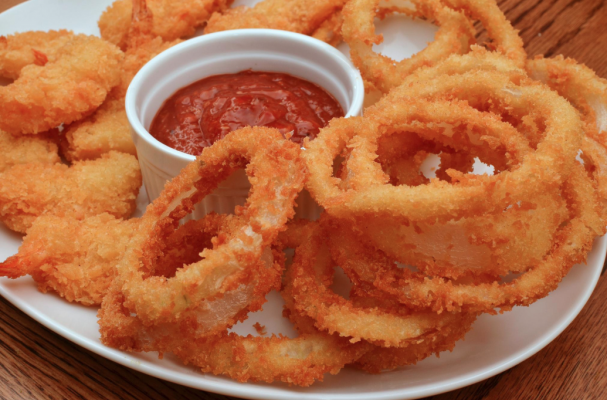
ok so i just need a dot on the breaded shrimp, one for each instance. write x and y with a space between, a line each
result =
70 86
174 19
108 128
109 184
16 150
23 49
301 16
72 257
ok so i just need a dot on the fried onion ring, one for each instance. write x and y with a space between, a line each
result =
506 40
455 35
276 174
311 277
546 166
572 242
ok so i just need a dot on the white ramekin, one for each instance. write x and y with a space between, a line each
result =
224 53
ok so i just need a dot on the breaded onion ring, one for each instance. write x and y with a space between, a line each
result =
299 361
572 243
588 94
380 359
455 35
375 358
330 30
65 89
276 174
505 39
484 244
312 274
439 201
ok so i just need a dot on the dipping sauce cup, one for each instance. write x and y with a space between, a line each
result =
224 53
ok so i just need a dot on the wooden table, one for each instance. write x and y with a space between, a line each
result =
39 364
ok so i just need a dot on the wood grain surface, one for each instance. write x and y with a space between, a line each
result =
38 364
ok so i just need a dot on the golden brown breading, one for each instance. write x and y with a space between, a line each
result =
36 47
72 257
26 149
174 19
109 184
301 16
64 90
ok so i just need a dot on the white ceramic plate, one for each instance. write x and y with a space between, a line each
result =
495 344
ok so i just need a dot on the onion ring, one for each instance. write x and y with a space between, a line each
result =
505 38
548 165
588 94
276 174
572 243
312 272
455 35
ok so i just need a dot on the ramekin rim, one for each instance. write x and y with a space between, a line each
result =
148 68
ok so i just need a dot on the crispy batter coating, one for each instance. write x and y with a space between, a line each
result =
588 94
301 16
276 173
174 19
23 150
455 35
330 30
75 258
108 128
65 89
387 325
109 184
35 47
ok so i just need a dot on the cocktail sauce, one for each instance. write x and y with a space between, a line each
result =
199 114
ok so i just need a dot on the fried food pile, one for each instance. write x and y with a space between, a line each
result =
426 255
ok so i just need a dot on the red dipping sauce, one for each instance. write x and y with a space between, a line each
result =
199 114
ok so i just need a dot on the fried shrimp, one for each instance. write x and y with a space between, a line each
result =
109 184
301 16
64 90
23 150
72 257
174 19
108 128
22 49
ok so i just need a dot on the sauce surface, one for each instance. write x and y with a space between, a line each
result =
199 114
